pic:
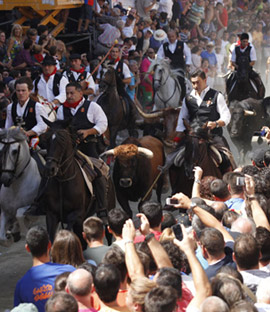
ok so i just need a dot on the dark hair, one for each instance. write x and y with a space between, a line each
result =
198 73
219 188
170 277
52 50
131 17
160 299
153 212
244 36
116 220
195 49
220 208
61 302
143 247
250 170
116 256
26 80
212 239
263 240
168 220
31 32
67 249
61 281
176 256
37 239
88 267
226 269
229 217
93 228
27 43
107 282
75 84
41 29
246 251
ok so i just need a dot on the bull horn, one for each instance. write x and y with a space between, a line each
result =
147 115
107 153
145 152
249 113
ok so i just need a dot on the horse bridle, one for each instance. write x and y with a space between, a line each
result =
161 85
5 151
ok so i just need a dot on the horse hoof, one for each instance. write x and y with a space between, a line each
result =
16 236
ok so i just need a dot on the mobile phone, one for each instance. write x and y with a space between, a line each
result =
177 230
240 181
171 201
137 223
263 132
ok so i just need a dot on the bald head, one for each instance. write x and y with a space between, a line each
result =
79 283
244 225
214 304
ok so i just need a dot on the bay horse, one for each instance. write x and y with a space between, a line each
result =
200 150
65 196
20 180
116 104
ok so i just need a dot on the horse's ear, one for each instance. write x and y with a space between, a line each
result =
66 122
47 121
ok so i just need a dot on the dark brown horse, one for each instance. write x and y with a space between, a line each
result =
198 149
66 197
116 104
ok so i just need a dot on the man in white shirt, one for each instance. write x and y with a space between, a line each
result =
206 104
179 54
78 73
26 112
50 84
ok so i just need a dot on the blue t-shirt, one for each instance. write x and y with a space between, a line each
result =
131 93
236 204
211 57
36 286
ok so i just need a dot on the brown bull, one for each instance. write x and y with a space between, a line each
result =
136 168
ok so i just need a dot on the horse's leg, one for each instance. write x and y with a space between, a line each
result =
52 223
113 134
159 187
5 221
123 201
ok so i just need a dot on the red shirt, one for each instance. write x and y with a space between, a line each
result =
140 238
223 18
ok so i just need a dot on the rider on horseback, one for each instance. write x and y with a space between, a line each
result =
179 54
245 55
24 111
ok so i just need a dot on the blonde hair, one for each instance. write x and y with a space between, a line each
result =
139 288
15 26
167 234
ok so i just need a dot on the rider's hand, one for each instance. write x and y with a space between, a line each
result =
198 172
211 125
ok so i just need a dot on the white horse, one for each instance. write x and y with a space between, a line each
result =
167 90
20 180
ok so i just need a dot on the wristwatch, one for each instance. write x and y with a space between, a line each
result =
192 205
217 125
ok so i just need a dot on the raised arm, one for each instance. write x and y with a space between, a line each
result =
159 254
200 279
133 262
259 216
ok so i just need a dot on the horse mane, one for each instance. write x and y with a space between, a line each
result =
14 133
63 128
174 73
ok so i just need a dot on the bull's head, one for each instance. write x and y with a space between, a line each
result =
238 114
127 159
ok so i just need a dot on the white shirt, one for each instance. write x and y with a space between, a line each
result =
172 47
95 115
45 89
126 71
89 79
253 56
127 31
166 6
39 128
222 109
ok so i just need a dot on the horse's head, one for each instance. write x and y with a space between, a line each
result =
59 142
161 70
108 79
14 154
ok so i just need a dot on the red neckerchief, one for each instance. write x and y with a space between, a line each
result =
72 105
241 47
115 61
46 77
238 43
80 71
